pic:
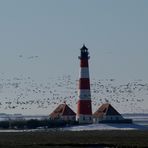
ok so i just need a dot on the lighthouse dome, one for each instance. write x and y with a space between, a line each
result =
84 52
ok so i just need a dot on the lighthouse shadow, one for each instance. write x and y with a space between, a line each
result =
131 126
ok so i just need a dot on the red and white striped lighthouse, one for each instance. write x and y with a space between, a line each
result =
84 109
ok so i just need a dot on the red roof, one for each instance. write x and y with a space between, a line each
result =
62 110
106 109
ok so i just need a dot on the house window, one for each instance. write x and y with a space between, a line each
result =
83 118
89 118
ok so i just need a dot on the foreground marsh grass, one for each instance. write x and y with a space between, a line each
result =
75 139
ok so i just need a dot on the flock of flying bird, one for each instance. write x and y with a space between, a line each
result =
25 95
30 57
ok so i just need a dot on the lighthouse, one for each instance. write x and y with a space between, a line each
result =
84 109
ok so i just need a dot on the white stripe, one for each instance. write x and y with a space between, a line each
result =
84 72
88 118
84 94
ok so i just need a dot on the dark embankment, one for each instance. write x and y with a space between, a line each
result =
74 139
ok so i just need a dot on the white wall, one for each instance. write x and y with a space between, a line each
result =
85 119
113 117
69 118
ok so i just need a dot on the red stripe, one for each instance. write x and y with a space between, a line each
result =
84 83
84 107
84 63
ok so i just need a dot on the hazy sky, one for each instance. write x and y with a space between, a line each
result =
115 32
